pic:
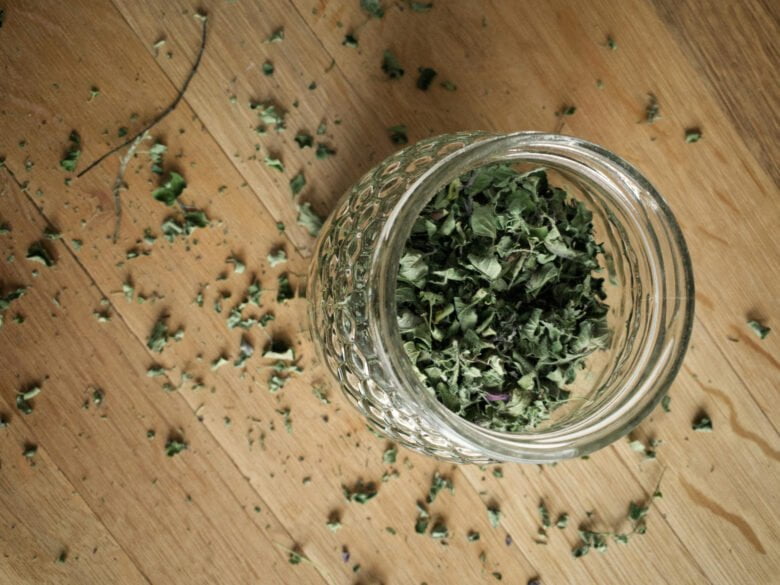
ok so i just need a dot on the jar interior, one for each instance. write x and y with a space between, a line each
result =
624 267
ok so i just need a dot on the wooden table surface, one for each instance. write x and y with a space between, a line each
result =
100 502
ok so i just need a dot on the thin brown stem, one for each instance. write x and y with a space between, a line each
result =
157 119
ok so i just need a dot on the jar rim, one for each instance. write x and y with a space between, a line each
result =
665 346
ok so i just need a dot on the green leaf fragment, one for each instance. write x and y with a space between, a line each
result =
324 151
760 330
171 189
269 113
24 397
425 78
391 66
304 139
11 296
37 252
175 445
277 36
398 134
702 423
238 265
439 531
449 85
652 109
390 454
297 183
420 6
373 8
218 363
156 153
71 158
309 219
438 483
274 163
278 350
494 516
360 492
284 290
277 257
692 135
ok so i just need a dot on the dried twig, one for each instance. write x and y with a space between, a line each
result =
157 119
119 182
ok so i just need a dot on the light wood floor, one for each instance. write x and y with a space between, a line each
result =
100 495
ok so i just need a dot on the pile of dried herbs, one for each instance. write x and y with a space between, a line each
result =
497 303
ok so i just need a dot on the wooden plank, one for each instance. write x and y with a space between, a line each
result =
48 518
67 350
746 94
704 528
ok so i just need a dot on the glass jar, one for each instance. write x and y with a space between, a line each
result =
649 286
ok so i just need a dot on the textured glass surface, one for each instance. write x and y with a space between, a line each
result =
650 293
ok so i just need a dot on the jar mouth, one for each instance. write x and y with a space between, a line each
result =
654 295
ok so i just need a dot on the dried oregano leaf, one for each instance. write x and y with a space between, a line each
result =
497 302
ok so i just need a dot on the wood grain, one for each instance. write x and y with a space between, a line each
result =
246 491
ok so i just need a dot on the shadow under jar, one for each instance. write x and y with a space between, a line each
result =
647 274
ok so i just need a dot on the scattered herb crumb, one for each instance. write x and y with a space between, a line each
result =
24 397
238 266
350 40
37 252
760 330
297 183
360 492
277 257
71 158
611 43
268 68
494 516
373 8
702 423
274 163
175 445
309 219
652 110
566 110
439 531
324 151
420 6
170 190
692 135
666 401
304 139
398 134
425 78
284 290
391 66
448 85
390 454
277 36
438 483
